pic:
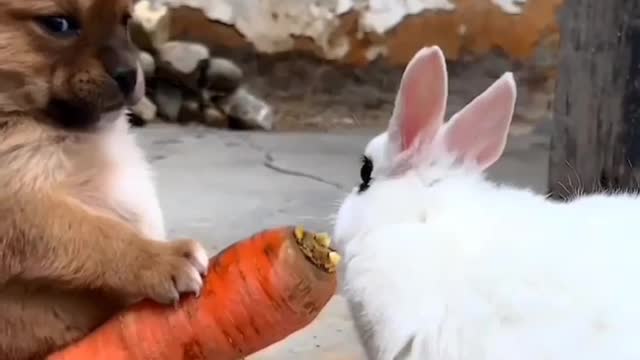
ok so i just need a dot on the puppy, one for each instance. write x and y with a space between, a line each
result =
80 225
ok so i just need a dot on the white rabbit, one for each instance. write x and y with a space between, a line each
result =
441 263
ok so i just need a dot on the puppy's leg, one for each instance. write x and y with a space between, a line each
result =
47 237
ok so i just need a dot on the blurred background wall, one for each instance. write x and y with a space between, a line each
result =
336 63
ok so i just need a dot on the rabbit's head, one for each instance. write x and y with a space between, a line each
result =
420 150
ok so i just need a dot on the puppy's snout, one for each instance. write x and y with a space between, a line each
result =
126 79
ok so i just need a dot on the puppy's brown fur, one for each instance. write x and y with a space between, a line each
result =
74 247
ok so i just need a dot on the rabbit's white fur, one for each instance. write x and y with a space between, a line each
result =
440 263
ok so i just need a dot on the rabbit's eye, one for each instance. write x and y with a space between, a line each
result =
365 173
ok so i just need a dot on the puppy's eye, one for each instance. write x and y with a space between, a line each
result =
365 174
59 26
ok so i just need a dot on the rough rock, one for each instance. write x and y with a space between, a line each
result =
212 116
144 111
150 25
190 111
148 64
247 111
168 99
223 76
184 63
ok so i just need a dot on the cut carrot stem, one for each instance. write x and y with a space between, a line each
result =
257 292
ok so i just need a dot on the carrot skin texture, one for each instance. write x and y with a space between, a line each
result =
256 293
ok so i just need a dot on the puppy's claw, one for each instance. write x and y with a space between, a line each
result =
200 261
323 239
299 233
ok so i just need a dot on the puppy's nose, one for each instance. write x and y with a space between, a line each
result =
126 80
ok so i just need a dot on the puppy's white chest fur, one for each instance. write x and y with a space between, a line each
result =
130 186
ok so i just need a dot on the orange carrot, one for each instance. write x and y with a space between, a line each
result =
256 293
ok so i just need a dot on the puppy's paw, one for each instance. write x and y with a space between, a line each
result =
178 268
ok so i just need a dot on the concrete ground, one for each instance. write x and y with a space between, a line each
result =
220 186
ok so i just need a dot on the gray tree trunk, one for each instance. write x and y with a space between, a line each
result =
596 140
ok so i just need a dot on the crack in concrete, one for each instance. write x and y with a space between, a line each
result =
269 163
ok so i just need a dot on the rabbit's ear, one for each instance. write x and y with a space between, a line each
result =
420 102
479 131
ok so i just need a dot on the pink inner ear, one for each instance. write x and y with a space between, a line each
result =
479 131
420 103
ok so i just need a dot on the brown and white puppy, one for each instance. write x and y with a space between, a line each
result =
80 225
